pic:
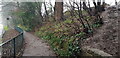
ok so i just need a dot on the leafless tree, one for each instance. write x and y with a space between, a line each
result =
81 18
46 12
98 11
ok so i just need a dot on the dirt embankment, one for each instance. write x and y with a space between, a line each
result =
9 34
106 38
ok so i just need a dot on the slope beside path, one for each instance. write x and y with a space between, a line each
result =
106 37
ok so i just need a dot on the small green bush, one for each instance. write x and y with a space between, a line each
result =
6 28
26 28
68 21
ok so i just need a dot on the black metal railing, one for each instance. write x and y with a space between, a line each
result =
13 47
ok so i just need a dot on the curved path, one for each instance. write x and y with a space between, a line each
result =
36 47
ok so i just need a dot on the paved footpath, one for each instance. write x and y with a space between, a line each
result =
35 46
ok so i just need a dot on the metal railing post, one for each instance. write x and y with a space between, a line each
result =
14 49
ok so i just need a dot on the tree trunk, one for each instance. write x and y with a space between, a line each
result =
46 12
99 5
115 2
58 10
103 5
94 4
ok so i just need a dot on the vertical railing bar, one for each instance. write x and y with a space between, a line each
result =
14 49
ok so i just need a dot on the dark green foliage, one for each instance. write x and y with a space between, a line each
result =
61 38
64 46
28 15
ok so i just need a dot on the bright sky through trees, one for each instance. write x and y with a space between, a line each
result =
111 2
